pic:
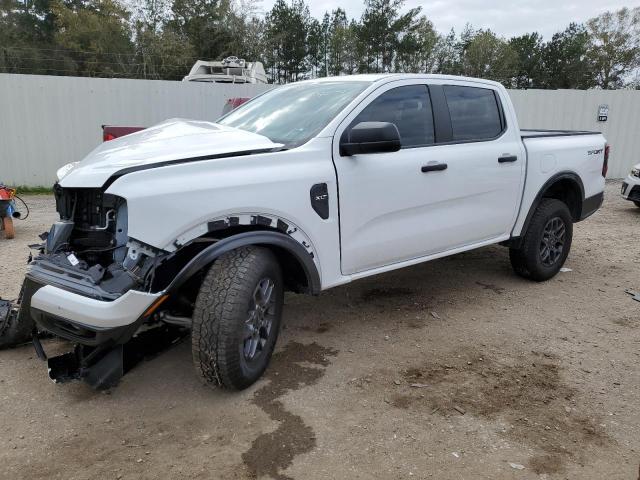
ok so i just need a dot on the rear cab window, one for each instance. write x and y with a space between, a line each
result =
476 113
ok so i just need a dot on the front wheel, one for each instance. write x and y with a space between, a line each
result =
236 318
546 243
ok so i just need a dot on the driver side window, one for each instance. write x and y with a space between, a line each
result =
409 108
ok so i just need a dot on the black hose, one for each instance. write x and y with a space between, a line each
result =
101 250
25 206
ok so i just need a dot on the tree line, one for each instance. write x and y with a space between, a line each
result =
161 39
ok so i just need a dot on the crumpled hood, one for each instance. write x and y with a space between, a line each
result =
168 141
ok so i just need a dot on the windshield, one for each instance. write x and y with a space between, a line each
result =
294 113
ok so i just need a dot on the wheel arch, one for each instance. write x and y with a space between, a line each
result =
564 186
300 271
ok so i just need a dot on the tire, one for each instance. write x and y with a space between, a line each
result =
231 340
637 204
7 226
546 244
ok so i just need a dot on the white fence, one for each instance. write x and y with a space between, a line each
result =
46 121
578 110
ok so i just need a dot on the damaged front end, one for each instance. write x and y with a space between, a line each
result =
93 285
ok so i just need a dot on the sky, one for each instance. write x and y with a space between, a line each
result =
505 17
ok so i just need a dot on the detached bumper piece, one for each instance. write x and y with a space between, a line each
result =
5 311
104 366
15 329
109 335
100 372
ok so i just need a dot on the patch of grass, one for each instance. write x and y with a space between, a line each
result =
24 190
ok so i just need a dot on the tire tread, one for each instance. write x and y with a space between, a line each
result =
222 300
524 260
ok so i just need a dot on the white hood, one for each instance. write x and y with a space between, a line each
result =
173 139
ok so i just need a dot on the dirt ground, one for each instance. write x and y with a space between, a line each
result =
453 369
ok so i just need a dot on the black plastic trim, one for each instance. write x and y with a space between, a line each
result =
555 133
591 204
503 117
319 196
84 334
277 239
536 201
441 116
45 273
433 168
634 194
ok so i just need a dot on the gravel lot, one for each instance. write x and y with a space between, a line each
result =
454 369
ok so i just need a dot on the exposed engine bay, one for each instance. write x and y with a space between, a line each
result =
90 244
88 252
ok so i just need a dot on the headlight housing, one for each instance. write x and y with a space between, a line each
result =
64 171
635 172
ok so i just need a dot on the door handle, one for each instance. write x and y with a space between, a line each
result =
507 159
436 167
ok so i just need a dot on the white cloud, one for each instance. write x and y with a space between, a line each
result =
505 17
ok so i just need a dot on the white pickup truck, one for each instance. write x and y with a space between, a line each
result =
306 187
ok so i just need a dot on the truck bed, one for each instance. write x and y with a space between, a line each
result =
561 153
537 133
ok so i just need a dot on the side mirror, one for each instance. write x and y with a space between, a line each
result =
370 137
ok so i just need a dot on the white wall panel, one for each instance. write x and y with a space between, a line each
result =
48 121
578 110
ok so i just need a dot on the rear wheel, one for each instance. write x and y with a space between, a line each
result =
546 243
236 318
637 204
7 226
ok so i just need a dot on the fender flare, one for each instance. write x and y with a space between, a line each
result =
276 239
566 175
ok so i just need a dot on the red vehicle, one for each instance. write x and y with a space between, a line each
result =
233 103
111 132
7 210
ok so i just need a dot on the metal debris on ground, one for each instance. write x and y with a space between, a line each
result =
634 295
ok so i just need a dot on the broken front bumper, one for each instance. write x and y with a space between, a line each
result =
102 330
86 320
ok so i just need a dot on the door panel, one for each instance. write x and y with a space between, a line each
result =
407 204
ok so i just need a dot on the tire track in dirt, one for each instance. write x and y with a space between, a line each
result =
273 452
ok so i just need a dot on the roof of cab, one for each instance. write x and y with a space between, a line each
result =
377 77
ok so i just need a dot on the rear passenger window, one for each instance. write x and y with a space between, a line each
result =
409 108
475 114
